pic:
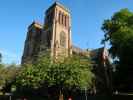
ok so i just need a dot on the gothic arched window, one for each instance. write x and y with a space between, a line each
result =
62 19
65 21
59 18
63 39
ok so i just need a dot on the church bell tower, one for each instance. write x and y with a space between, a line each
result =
54 35
57 29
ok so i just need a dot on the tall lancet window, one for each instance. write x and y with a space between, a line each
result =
63 39
59 17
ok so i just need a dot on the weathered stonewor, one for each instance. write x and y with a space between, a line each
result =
54 34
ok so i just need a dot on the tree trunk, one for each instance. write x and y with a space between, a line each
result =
61 96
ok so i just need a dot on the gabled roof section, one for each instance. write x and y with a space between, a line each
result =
78 50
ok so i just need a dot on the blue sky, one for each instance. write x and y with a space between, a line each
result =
87 19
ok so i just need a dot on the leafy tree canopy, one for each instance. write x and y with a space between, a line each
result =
0 57
8 74
70 72
119 32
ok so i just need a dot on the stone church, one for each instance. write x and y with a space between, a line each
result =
54 34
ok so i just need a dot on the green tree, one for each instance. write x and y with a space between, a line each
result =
0 57
30 76
1 65
71 73
7 76
119 32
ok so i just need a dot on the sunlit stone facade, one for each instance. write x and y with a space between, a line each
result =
54 34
